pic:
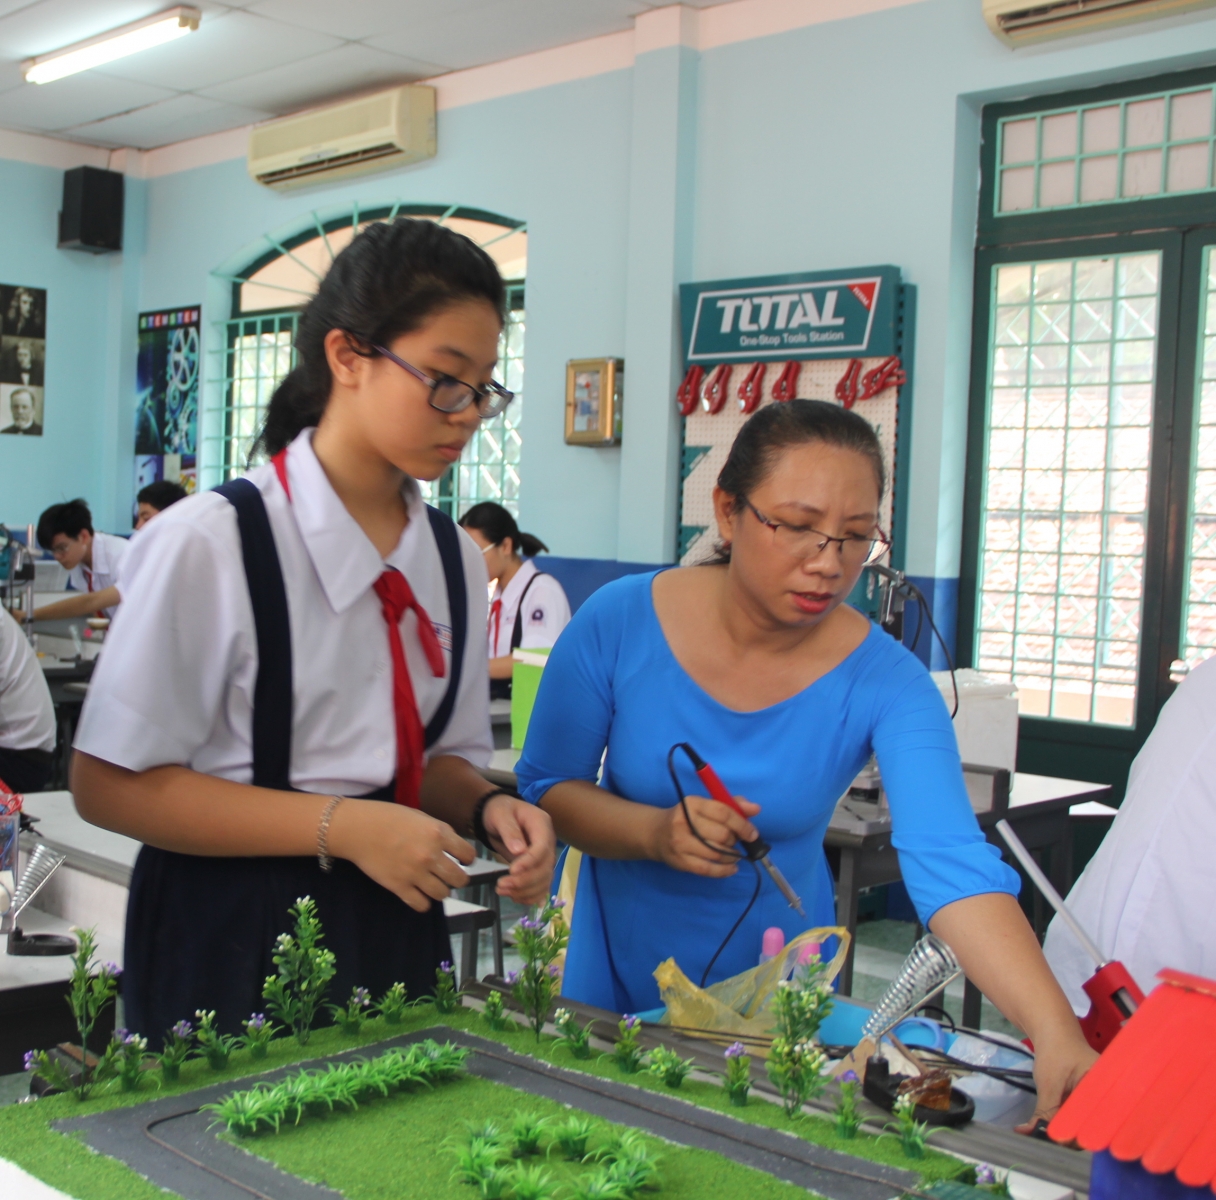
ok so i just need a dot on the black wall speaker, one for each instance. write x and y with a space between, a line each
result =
92 210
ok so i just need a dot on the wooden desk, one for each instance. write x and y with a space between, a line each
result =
1038 812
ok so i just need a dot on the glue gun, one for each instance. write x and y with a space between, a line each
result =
758 850
1113 993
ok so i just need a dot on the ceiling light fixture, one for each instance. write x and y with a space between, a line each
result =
118 43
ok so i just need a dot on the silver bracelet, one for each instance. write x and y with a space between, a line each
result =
324 858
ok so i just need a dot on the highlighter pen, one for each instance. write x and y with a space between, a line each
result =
758 850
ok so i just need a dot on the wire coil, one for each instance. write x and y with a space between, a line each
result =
929 967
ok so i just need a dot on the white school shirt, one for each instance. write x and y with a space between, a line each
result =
546 611
109 551
27 716
1148 896
176 681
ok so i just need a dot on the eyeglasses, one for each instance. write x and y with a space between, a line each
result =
450 395
802 542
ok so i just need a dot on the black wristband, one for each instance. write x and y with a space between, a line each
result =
477 823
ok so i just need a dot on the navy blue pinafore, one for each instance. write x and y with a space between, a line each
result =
200 931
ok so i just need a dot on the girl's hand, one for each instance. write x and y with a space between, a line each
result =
676 845
524 836
1060 1061
402 849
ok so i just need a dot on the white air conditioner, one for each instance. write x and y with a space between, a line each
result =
387 129
1023 22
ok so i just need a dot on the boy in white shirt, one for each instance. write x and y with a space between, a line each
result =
27 716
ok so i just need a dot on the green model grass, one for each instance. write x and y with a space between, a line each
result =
64 1162
397 1147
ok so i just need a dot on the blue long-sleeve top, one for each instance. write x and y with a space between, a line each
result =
613 683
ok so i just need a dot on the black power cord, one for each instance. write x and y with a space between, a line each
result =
758 846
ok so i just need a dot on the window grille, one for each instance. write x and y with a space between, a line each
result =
1151 145
1072 350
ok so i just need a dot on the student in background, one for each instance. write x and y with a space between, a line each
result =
529 608
27 717
151 501
154 499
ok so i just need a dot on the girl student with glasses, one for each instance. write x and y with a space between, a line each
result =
755 661
293 700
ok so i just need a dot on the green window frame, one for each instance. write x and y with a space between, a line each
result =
1177 565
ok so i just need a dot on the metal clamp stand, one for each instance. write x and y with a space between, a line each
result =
43 863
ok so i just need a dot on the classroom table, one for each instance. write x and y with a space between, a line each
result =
1038 812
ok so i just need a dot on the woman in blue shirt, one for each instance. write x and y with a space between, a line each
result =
755 660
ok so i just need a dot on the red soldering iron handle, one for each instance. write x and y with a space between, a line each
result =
717 789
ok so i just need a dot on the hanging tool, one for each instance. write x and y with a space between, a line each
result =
786 387
713 397
847 385
756 851
887 374
751 390
1113 993
689 391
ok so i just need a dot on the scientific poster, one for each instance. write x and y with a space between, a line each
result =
22 359
166 414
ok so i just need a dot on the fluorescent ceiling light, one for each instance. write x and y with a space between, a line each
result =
118 43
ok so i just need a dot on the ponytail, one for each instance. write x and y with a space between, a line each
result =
390 279
495 524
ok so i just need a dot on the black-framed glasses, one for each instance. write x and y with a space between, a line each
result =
802 542
450 395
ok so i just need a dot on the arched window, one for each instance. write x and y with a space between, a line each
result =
267 297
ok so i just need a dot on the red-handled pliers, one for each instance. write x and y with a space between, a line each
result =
756 851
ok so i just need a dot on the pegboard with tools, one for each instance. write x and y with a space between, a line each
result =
842 336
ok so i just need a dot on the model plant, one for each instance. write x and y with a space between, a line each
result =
541 940
351 1015
738 1073
795 1062
258 1035
913 1134
669 1066
304 970
989 1179
492 1012
178 1044
531 1183
128 1051
575 1037
571 1137
447 999
90 989
847 1119
341 1085
214 1046
627 1054
526 1132
392 1005
631 1166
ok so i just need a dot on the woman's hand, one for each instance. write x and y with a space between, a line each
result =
523 835
401 848
1060 1060
676 845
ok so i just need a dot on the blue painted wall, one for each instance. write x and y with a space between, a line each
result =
845 142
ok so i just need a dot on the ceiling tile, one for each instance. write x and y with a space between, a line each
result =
500 29
226 46
348 69
71 101
173 120
356 19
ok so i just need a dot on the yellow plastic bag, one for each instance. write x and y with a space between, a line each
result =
740 1005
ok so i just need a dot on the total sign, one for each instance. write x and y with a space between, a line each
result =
823 314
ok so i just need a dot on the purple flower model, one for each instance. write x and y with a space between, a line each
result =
31 1060
512 976
531 923
445 967
256 1021
985 1174
849 1077
113 970
735 1050
183 1030
363 997
554 902
632 1022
